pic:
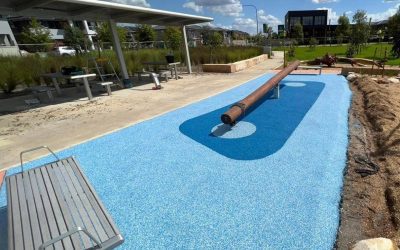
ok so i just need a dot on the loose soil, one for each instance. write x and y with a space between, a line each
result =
371 204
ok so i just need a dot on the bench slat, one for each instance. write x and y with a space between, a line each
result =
104 217
10 217
51 220
32 211
43 225
63 205
62 227
74 204
17 222
26 225
96 228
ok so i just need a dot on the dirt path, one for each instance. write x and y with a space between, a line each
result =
371 204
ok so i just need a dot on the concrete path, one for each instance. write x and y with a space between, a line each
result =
62 125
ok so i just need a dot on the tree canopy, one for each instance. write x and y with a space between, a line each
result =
145 33
297 32
360 30
173 38
74 37
104 33
35 33
344 27
394 31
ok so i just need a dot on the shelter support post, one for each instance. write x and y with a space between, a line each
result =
187 54
87 33
120 56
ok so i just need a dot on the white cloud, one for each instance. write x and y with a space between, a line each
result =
141 3
332 15
223 7
245 24
349 13
193 6
385 14
324 1
271 20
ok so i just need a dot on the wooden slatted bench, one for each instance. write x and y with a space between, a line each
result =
55 207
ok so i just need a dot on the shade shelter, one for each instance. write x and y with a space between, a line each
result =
94 10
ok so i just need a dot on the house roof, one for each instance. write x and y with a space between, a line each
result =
96 10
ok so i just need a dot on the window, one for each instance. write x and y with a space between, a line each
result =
294 20
308 20
320 20
5 40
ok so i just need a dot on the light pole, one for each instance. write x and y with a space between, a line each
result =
250 5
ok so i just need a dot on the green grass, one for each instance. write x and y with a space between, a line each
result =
306 53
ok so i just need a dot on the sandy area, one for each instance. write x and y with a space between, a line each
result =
371 200
73 119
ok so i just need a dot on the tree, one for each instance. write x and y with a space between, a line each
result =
297 32
74 37
173 38
343 28
35 33
360 30
267 30
394 31
313 43
104 33
145 33
212 40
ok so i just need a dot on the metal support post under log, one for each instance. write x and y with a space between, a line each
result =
240 107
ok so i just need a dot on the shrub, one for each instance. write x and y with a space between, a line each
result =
351 50
10 76
313 43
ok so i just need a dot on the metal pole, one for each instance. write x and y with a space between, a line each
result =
120 56
187 54
87 32
250 5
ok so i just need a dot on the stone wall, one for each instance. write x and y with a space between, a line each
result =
234 67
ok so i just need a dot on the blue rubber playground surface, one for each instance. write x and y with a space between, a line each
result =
183 180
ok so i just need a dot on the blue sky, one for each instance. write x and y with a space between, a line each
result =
231 13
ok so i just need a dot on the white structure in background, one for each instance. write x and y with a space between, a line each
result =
8 45
89 33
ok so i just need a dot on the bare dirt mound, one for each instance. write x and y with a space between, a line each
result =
371 192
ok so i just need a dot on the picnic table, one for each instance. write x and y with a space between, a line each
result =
170 66
58 75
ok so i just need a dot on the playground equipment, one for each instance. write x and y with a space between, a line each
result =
240 107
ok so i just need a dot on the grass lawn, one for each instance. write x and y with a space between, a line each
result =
306 53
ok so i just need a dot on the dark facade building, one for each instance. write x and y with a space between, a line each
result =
314 22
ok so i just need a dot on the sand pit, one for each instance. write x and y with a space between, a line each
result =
371 204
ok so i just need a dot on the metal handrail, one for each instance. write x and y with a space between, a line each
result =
34 149
69 233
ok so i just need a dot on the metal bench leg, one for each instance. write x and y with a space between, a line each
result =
108 89
50 95
155 80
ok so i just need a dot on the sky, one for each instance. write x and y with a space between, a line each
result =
233 14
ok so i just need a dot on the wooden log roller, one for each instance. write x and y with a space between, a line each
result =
240 107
